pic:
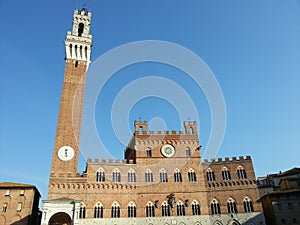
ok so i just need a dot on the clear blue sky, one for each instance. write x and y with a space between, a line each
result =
252 47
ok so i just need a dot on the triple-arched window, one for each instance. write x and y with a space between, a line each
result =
150 210
165 209
241 172
131 176
163 176
82 211
231 206
131 209
195 208
226 174
115 210
98 210
215 207
192 175
248 205
177 176
148 176
100 175
116 175
210 175
180 208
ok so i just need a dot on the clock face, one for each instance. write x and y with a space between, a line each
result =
65 153
168 150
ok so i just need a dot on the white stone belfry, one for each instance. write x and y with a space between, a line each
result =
79 42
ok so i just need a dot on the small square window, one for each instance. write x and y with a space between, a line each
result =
22 192
19 207
7 193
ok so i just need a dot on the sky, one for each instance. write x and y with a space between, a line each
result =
252 48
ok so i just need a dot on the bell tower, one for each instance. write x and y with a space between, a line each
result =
78 45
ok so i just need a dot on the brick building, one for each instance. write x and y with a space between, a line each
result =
161 180
19 204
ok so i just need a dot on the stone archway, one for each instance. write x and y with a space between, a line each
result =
60 218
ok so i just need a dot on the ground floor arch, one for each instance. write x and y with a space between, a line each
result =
60 218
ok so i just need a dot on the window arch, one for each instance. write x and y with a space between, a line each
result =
163 175
131 209
231 206
241 173
148 152
192 175
215 207
150 210
248 205
98 210
100 175
82 211
180 209
188 151
165 209
226 174
116 175
210 175
80 29
131 176
148 176
177 176
115 210
196 208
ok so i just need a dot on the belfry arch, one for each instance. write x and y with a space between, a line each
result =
60 218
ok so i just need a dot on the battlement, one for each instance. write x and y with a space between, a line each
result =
82 12
227 159
141 127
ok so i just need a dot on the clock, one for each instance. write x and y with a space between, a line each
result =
168 150
65 153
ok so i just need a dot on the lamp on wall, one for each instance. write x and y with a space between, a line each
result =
156 203
186 203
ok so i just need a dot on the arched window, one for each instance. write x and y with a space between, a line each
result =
177 176
149 152
116 175
131 176
115 210
210 175
192 175
80 29
131 208
195 208
82 211
226 174
100 175
188 152
148 176
180 209
163 175
150 210
231 206
98 210
248 205
215 207
165 209
241 173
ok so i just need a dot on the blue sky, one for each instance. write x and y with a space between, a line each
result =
252 48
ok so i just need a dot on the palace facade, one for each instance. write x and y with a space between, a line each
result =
162 178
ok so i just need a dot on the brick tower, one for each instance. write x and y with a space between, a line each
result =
78 45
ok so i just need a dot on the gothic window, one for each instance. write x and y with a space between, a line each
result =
210 175
131 210
165 209
115 210
231 206
82 211
195 208
241 173
80 29
150 210
192 175
70 48
177 176
100 175
180 209
116 175
7 192
163 175
188 151
248 205
149 152
226 174
131 176
215 207
98 210
4 207
148 176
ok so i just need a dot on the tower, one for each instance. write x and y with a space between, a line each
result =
78 45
